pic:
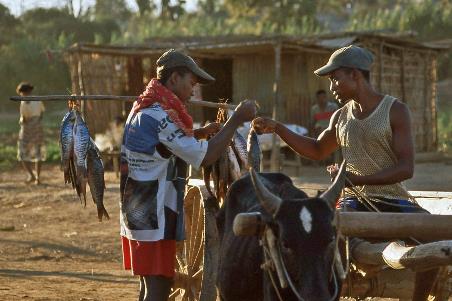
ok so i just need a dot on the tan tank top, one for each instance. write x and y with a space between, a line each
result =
366 145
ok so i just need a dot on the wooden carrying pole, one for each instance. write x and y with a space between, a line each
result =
111 97
426 227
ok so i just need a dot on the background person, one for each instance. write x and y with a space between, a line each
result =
31 147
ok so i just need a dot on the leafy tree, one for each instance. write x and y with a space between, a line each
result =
274 16
112 10
172 11
8 25
145 6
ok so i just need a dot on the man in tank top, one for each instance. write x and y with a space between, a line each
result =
372 130
374 133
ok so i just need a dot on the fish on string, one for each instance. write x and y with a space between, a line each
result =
233 163
96 181
254 151
80 159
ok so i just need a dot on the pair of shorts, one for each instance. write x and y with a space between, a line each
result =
386 205
149 258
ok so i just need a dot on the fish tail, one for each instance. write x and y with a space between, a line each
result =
102 212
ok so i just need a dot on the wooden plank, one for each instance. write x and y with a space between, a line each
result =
432 194
428 227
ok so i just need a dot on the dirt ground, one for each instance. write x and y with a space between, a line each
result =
51 248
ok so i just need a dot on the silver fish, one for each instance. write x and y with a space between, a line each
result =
254 151
96 182
223 176
81 144
206 174
67 144
234 168
239 145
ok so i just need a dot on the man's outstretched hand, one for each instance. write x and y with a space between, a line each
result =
264 125
208 130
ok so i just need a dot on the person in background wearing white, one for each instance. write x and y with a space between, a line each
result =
31 147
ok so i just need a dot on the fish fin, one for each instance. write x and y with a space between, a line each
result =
102 212
207 171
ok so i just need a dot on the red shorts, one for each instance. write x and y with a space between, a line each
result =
147 258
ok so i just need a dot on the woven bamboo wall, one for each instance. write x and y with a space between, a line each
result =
299 85
99 74
410 75
253 77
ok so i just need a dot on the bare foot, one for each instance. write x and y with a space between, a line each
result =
30 179
37 182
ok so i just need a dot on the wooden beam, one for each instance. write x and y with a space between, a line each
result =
398 256
418 258
426 227
432 194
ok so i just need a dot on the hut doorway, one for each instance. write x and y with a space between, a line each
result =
221 89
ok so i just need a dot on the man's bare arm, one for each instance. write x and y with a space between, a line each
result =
314 149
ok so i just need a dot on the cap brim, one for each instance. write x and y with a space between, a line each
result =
325 70
203 76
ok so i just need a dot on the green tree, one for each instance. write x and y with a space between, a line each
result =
8 26
112 10
275 16
145 7
172 11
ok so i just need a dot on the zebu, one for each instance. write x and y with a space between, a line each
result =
305 241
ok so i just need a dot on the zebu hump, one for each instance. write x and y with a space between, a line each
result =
242 193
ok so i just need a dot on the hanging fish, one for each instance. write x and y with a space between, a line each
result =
81 143
96 182
206 174
254 151
240 149
223 176
234 168
67 144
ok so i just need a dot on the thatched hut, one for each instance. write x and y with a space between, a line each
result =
277 71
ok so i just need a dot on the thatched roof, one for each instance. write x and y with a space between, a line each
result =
229 45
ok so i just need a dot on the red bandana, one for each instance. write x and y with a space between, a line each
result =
170 103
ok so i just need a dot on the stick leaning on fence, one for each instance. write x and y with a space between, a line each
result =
202 103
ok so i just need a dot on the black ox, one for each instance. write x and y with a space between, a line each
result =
305 241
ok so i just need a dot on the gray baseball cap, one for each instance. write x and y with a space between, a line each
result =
351 56
173 58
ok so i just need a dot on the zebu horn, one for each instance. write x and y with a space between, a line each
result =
248 224
268 200
334 191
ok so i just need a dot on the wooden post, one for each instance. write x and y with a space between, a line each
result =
275 154
380 67
402 75
80 82
432 102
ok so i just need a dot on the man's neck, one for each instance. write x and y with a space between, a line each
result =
367 99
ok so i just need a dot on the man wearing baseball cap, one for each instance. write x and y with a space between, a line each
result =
159 141
374 134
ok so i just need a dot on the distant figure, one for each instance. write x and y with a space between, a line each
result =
30 144
321 113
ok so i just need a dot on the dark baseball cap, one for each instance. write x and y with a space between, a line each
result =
173 58
351 57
